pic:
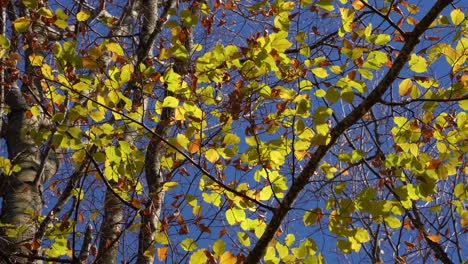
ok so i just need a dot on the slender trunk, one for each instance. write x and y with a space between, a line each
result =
113 218
155 150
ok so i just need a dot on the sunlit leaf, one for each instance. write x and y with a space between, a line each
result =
457 16
188 244
417 63
170 101
21 24
83 16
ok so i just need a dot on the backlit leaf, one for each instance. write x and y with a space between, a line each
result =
83 16
457 16
170 102
405 87
21 24
189 244
417 63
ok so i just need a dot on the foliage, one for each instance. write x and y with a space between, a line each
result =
282 131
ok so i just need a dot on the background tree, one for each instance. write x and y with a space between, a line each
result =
233 131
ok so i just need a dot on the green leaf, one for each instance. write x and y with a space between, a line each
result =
189 244
281 44
31 4
361 235
219 247
417 63
21 24
392 221
282 21
4 42
344 246
45 12
326 5
170 102
382 39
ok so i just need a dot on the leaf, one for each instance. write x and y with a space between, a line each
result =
218 247
31 4
170 185
170 102
320 72
45 12
83 16
362 235
457 16
289 239
235 215
392 222
4 42
116 48
162 253
228 258
194 146
198 256
21 24
212 155
189 244
312 216
344 246
405 87
434 238
244 239
417 63
326 5
382 39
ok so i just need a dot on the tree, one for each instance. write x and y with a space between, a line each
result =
233 131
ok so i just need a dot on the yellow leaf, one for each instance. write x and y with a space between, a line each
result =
405 87
170 185
212 155
116 48
82 16
417 63
170 102
320 72
457 16
228 258
21 24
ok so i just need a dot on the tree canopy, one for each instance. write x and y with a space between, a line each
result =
227 131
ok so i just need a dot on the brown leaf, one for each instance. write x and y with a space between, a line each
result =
222 232
194 146
409 245
434 164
